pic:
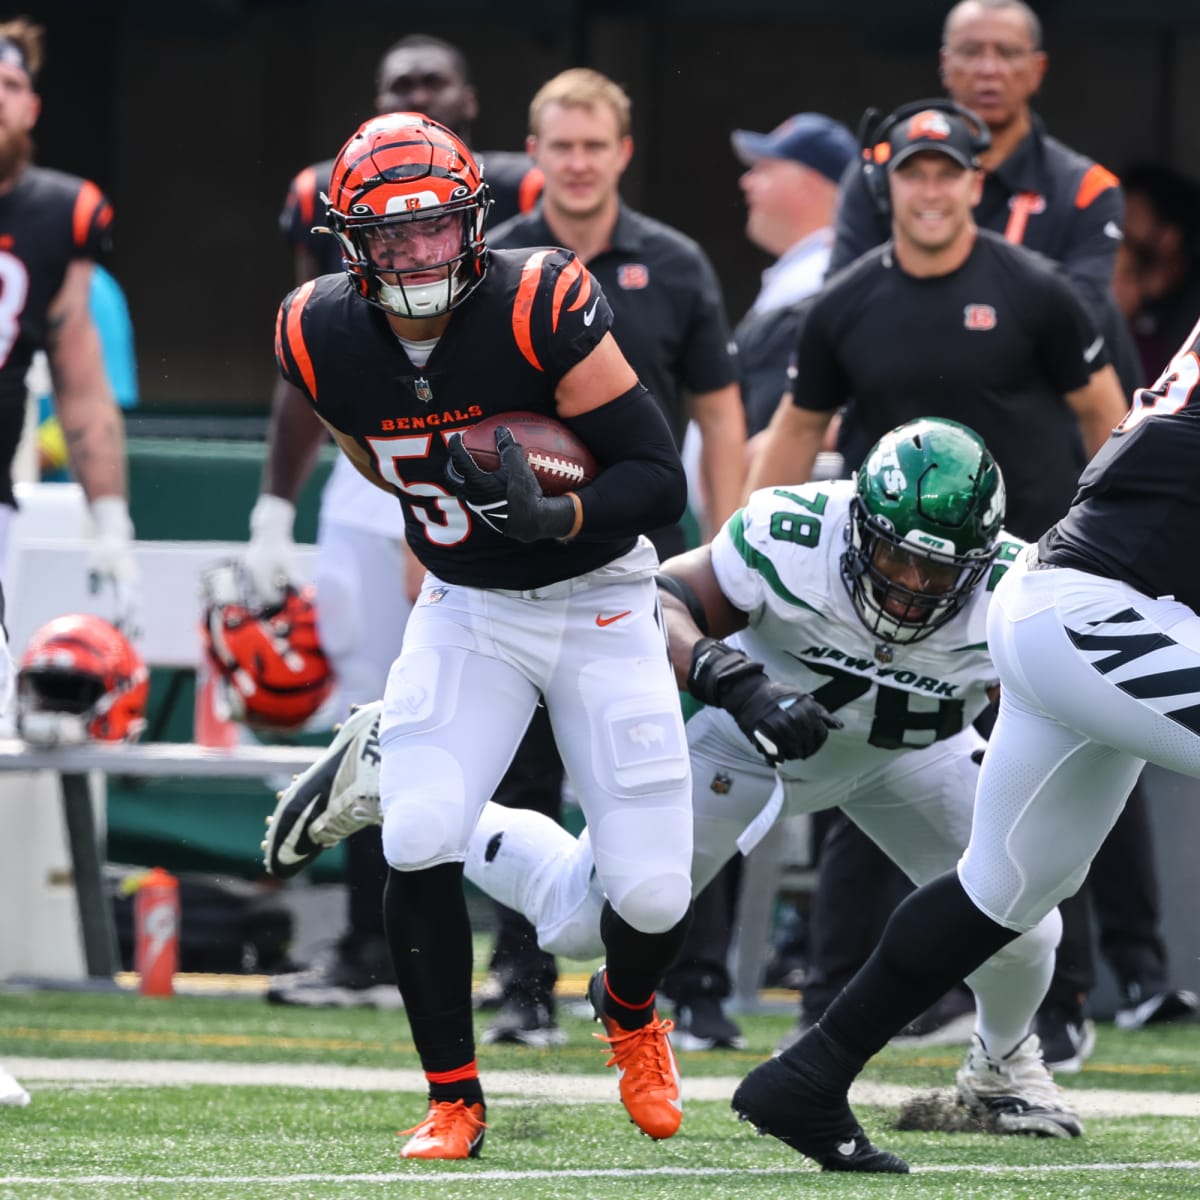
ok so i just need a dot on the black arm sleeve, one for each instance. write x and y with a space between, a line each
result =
641 484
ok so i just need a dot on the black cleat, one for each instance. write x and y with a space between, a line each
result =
779 1098
335 797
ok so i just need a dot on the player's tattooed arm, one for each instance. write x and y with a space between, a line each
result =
91 421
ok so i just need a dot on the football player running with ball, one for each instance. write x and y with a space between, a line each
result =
866 599
426 334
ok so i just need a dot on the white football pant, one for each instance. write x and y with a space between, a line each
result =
461 693
1097 679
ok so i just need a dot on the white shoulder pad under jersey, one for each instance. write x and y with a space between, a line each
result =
779 560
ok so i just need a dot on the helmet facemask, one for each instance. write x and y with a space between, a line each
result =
927 510
877 560
373 244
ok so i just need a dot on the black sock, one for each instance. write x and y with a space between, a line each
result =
429 934
934 938
635 963
470 1091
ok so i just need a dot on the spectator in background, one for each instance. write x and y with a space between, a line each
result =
791 189
1042 194
364 576
669 320
1160 257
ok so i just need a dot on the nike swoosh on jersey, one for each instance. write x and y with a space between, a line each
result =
602 621
590 315
1093 349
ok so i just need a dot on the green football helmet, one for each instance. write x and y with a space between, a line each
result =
928 506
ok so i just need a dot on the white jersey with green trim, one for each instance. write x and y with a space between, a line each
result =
779 560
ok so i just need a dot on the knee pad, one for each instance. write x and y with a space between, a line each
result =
655 904
424 811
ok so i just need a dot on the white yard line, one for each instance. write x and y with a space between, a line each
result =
522 1085
454 1181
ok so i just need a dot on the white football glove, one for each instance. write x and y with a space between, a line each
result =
110 562
269 556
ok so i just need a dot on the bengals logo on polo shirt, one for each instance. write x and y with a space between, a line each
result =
979 317
633 276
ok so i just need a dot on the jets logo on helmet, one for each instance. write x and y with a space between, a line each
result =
396 172
928 506
81 678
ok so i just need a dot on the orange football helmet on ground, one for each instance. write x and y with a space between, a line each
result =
81 678
268 658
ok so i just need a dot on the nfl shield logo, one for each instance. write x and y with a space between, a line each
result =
423 390
884 653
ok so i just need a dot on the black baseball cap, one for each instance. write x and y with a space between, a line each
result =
810 139
933 129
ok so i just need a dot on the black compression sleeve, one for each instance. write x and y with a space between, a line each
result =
641 484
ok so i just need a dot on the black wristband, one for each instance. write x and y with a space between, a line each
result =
715 668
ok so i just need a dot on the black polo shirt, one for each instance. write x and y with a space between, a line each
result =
668 315
994 344
1045 196
765 342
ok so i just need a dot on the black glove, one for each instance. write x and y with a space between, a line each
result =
781 722
510 498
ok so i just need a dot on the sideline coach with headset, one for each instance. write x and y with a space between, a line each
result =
1037 192
949 320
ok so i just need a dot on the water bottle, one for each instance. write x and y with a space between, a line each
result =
156 932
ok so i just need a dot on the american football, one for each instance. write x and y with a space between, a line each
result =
558 458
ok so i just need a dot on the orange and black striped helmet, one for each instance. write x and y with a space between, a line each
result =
404 167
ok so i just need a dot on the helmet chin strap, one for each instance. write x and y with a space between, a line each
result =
417 300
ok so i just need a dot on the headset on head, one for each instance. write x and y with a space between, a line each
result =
874 130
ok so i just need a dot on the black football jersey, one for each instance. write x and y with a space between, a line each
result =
1138 507
512 179
535 316
48 220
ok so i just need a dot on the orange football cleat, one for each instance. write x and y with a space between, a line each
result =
450 1130
646 1068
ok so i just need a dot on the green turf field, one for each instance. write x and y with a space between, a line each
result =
191 1097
